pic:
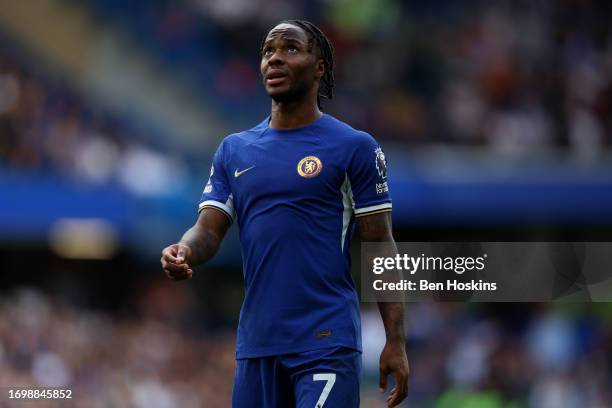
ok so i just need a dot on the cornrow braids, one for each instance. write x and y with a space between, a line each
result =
316 37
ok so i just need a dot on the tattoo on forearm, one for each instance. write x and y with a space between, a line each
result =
393 319
375 227
203 244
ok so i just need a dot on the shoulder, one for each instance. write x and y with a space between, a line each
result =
361 147
239 139
345 133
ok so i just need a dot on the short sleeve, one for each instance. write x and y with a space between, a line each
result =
367 175
217 192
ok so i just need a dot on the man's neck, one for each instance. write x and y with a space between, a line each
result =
293 114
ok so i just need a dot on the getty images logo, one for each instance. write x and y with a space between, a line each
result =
413 264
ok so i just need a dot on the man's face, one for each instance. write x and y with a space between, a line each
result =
289 67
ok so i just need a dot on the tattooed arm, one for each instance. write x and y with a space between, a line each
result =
393 360
199 244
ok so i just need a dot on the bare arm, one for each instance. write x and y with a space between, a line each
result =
393 360
198 245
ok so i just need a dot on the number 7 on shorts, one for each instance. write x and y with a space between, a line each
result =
331 379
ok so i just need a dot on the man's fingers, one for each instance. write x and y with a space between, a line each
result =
174 267
180 275
177 272
179 259
181 254
382 384
168 257
400 391
173 262
391 397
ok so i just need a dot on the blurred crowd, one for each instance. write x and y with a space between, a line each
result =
462 356
144 362
504 355
517 76
47 126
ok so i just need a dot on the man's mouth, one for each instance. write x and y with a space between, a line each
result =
275 78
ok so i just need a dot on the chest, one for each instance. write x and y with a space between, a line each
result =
286 170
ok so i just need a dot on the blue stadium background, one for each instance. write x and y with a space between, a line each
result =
496 118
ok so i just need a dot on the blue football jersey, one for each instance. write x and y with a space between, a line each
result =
294 194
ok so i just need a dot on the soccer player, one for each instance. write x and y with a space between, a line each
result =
296 184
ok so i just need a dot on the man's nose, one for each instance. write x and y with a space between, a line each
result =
276 58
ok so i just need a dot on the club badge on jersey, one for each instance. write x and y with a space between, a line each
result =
309 166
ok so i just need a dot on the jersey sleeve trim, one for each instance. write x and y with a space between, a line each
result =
359 212
225 209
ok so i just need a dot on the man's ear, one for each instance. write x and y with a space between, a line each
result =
320 68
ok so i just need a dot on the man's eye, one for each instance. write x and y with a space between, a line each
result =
268 51
292 50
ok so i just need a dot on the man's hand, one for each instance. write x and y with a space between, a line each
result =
393 361
174 262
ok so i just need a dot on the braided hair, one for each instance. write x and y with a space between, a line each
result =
316 37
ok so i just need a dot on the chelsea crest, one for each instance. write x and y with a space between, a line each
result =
309 166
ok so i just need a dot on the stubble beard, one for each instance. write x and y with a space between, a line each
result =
294 94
